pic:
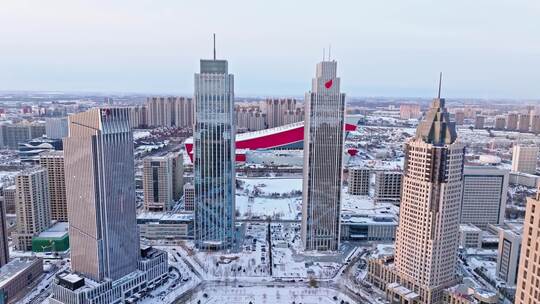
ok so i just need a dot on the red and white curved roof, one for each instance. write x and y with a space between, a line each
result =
273 138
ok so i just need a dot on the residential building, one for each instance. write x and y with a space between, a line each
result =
323 160
162 181
276 108
189 197
524 158
524 122
32 206
388 186
500 122
409 111
358 182
53 161
512 122
479 122
56 128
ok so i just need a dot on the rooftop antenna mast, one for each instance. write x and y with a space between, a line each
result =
214 46
329 51
323 54
440 81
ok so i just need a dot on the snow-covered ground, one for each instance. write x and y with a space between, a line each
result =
278 198
271 294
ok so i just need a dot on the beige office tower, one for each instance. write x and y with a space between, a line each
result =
528 290
100 189
524 122
512 122
427 236
4 244
276 109
358 182
524 158
484 195
53 161
388 186
323 153
32 206
162 181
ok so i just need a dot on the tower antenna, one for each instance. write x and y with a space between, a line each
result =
214 46
440 81
323 53
329 51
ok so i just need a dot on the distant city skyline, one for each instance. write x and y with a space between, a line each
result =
384 49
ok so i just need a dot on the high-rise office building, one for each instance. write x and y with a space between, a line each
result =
100 189
10 192
4 245
162 181
427 237
484 195
524 158
56 127
512 122
53 161
528 291
358 181
214 155
323 153
524 122
388 186
32 206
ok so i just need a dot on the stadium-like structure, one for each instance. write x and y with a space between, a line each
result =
289 136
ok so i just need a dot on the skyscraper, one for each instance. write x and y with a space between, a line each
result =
528 277
214 155
428 232
100 186
323 150
358 181
32 206
53 161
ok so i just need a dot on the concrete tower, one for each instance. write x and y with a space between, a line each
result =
214 155
100 187
323 150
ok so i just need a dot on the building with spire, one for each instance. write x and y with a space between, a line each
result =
214 155
323 153
427 238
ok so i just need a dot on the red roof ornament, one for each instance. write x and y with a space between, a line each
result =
328 84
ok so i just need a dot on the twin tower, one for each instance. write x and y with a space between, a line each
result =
214 158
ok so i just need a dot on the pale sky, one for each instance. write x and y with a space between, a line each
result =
486 48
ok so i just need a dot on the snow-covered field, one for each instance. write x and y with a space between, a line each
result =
273 197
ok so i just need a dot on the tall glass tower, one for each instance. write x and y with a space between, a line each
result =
214 155
323 154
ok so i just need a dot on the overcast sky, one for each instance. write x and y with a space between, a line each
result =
486 48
